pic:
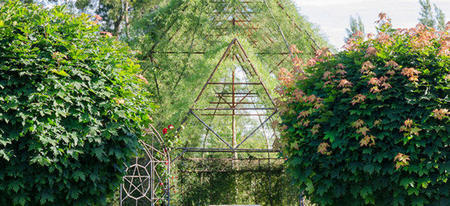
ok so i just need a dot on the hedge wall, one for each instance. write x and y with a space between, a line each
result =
71 108
370 125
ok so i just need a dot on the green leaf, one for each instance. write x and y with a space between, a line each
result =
413 190
15 186
365 191
77 175
4 155
60 72
20 199
329 135
369 168
406 182
309 185
46 197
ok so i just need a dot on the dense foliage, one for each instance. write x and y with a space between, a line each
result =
369 125
71 108
218 181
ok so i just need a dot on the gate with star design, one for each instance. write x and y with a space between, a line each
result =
147 177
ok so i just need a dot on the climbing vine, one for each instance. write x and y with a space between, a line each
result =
72 107
369 125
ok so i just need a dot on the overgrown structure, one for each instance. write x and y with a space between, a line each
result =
216 63
182 42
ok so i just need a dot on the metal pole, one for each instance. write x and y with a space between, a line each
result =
233 117
121 185
251 133
152 166
207 126
279 29
300 199
225 55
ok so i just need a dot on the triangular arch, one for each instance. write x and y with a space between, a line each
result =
237 93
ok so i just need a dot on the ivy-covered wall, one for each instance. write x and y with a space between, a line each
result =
370 125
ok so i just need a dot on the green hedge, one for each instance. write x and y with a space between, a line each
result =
72 108
370 125
227 182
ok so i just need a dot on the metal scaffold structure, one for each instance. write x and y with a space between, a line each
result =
230 98
213 67
193 38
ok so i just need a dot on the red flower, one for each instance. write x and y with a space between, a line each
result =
171 126
165 131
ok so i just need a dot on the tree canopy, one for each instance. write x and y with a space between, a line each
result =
356 26
430 19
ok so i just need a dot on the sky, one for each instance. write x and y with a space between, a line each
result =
332 16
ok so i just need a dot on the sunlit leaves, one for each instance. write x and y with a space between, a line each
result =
358 123
358 99
441 113
411 73
368 140
362 130
401 160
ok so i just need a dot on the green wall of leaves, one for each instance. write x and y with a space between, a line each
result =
72 107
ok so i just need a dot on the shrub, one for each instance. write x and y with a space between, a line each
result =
369 125
71 108
216 181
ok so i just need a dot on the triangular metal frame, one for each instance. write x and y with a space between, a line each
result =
242 58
